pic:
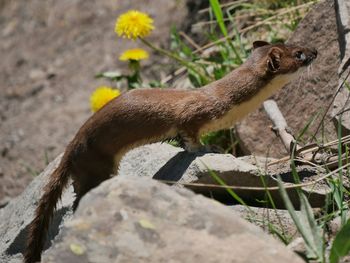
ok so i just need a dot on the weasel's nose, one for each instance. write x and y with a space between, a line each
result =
311 55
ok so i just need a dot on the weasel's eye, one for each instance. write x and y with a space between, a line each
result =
300 55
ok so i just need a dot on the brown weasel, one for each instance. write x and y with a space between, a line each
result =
149 115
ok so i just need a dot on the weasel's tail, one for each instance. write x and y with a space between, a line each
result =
39 226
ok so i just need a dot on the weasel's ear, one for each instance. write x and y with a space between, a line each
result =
259 43
273 59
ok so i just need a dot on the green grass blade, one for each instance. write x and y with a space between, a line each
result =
341 244
237 38
347 86
219 16
303 230
230 191
313 226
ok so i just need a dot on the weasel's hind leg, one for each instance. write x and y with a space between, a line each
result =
89 177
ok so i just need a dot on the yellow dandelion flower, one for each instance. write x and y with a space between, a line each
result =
134 54
134 24
101 96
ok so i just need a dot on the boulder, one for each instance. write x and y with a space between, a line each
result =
164 162
141 220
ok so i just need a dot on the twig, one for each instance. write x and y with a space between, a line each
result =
343 111
253 188
191 41
280 124
309 150
171 76
307 154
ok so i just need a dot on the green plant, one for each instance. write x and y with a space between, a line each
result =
341 244
307 225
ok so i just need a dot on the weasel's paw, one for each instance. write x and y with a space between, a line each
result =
213 149
192 148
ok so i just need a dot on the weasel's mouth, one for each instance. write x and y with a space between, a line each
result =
310 58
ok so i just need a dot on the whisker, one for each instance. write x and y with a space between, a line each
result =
300 78
310 71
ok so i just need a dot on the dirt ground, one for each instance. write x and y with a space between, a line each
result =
50 52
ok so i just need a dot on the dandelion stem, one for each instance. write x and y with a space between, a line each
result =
175 57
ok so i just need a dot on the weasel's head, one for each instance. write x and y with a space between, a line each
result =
276 59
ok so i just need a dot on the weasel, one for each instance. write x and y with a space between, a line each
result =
144 116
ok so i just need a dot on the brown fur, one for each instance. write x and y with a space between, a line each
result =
149 115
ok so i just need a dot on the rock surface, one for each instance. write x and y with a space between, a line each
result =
128 220
279 219
162 161
341 103
343 23
158 161
304 97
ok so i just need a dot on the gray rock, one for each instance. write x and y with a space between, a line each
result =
159 161
341 110
258 161
162 161
141 220
270 220
15 217
298 246
341 104
336 224
342 8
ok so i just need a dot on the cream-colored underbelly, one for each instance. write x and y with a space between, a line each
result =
237 112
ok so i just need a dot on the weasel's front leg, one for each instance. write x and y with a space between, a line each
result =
191 143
